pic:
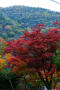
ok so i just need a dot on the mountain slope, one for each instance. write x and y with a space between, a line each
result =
30 16
8 27
14 20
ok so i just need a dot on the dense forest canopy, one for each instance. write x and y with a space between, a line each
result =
29 47
14 20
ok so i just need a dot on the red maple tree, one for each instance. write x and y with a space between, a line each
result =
35 50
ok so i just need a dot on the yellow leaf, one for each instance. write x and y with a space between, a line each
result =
2 60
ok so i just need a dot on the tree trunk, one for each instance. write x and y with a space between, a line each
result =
49 87
46 82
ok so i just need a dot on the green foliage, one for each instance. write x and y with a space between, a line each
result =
4 35
8 27
56 60
11 34
3 44
21 18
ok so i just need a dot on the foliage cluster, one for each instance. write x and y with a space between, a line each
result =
34 57
33 52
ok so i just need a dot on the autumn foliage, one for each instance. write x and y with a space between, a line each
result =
34 50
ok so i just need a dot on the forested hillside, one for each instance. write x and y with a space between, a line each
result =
14 20
31 61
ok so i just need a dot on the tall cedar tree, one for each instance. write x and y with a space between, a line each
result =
35 50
